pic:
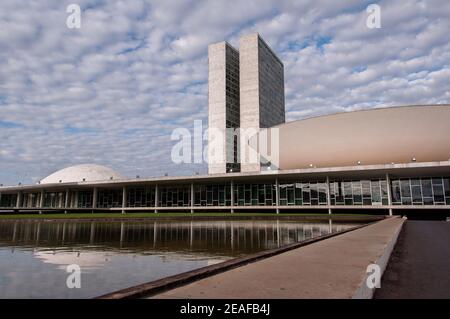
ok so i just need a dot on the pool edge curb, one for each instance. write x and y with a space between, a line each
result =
363 291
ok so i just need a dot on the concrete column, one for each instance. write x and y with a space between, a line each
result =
41 199
192 198
33 200
76 200
60 200
232 196
19 199
30 200
277 196
388 182
66 202
94 199
73 199
156 198
124 199
328 195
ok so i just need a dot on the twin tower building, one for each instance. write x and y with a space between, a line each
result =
245 94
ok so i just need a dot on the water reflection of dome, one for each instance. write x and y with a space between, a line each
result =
82 259
82 173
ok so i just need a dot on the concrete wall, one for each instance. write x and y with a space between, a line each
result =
261 91
216 105
249 93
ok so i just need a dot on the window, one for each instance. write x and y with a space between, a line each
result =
108 198
438 191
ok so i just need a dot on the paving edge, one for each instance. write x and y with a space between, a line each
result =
363 291
167 283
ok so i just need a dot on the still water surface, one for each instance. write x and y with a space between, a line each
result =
34 255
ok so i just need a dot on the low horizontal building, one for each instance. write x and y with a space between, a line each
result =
399 159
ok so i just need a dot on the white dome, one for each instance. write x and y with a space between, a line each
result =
81 173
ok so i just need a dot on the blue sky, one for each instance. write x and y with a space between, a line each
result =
112 92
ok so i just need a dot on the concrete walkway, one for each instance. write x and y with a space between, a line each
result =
332 268
420 264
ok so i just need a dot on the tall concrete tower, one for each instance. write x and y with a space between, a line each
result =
223 108
245 90
261 90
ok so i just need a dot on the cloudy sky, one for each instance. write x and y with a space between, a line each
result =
112 91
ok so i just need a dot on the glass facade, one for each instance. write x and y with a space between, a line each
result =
109 198
303 193
421 191
373 192
359 192
175 196
54 199
212 195
232 120
30 200
141 196
8 200
255 194
84 199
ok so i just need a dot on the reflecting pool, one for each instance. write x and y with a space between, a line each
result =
34 255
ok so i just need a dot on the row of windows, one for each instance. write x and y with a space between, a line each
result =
141 197
212 195
271 87
255 194
405 191
266 54
301 193
30 200
174 196
54 199
109 198
84 199
421 191
360 192
8 200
